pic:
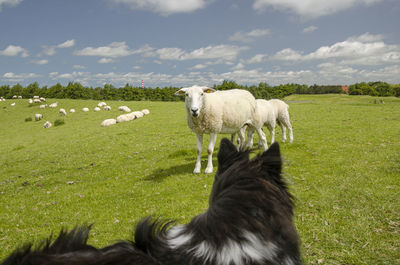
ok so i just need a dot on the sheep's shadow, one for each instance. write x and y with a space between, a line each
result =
160 174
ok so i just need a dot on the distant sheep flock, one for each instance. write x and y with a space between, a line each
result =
129 116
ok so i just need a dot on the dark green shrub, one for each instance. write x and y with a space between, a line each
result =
28 119
59 122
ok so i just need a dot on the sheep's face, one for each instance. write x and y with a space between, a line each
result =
194 97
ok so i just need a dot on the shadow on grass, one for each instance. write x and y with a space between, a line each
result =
160 174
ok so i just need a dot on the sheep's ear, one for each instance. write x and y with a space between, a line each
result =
181 91
227 155
208 90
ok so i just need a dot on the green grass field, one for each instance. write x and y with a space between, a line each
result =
343 168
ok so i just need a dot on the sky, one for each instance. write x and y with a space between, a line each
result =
199 42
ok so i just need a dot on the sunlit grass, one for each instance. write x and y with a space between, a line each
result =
343 168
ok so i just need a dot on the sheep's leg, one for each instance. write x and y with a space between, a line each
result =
241 139
262 138
250 133
283 128
197 168
233 137
286 123
210 150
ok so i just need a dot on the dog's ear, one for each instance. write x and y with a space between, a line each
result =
227 155
272 161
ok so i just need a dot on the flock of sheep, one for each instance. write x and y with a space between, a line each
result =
212 112
121 118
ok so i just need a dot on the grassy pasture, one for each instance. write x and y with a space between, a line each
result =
343 168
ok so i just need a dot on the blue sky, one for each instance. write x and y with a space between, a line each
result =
203 42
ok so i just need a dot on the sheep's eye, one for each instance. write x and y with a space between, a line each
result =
201 94
186 94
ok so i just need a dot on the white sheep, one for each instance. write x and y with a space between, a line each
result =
42 99
36 100
53 105
38 117
72 110
14 97
126 117
124 109
97 109
108 122
138 114
107 108
43 106
101 104
47 124
12 104
19 97
35 97
85 109
145 111
213 112
30 101
281 110
63 112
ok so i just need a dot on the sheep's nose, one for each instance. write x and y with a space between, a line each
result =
195 112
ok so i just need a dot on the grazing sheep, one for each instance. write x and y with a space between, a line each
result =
42 99
126 117
12 104
53 105
47 124
107 108
85 109
145 111
213 112
38 117
72 110
63 112
43 106
138 114
101 104
35 97
97 109
36 100
14 97
124 108
108 122
19 97
30 101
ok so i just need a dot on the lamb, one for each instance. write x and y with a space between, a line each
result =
43 106
107 108
272 111
38 117
97 109
19 97
108 122
42 99
12 104
53 105
47 124
30 101
85 109
101 104
63 112
145 111
124 108
72 110
138 114
36 97
213 112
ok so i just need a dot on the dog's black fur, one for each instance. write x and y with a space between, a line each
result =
249 222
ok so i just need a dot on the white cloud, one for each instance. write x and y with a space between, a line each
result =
106 60
310 29
113 50
50 50
249 36
258 58
66 44
12 77
310 8
13 50
164 7
365 49
10 3
41 62
226 52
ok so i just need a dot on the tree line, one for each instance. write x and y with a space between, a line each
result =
74 90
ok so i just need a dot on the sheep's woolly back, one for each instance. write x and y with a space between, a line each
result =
281 108
267 111
224 112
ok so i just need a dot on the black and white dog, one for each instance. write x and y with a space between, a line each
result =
249 222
